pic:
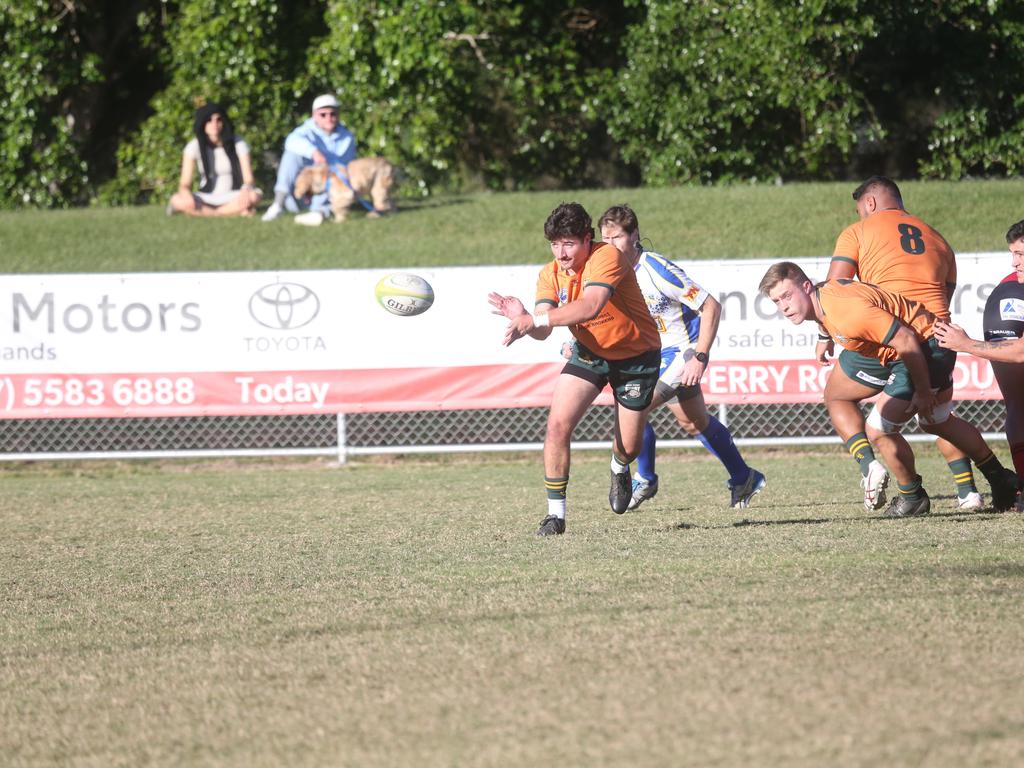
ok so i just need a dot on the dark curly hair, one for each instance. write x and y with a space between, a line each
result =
568 220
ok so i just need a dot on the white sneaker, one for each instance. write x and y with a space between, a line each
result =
642 491
310 219
874 485
272 212
972 500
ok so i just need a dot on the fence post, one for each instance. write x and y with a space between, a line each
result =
342 447
723 414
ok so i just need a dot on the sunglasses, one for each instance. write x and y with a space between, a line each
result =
327 113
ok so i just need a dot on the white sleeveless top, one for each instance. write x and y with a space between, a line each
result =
222 191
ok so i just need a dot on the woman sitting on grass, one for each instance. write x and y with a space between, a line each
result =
226 185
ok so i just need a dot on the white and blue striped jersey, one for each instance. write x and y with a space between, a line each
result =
673 299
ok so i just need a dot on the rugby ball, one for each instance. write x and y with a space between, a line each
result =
404 294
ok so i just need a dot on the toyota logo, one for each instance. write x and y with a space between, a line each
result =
284 306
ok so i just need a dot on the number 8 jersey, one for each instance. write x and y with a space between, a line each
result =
902 254
673 299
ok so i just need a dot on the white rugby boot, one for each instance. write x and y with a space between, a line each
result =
874 484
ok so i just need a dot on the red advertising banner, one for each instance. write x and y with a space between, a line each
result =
395 389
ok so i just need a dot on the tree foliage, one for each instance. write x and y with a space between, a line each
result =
753 89
949 81
97 95
497 94
40 163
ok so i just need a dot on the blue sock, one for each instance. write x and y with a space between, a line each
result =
718 440
645 461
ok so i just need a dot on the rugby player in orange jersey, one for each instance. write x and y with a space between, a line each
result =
898 332
591 288
898 252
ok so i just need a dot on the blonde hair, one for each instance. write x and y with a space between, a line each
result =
621 216
782 270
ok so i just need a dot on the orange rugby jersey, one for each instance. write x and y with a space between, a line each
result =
624 328
900 253
864 318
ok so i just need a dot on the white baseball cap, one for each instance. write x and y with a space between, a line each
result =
326 100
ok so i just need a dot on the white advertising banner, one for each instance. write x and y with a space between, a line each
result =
237 343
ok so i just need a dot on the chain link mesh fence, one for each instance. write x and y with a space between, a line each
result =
433 431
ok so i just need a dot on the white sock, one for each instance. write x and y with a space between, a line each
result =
618 467
556 507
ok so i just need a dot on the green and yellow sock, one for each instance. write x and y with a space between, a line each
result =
911 492
556 488
963 476
861 450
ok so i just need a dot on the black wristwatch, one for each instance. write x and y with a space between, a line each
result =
702 356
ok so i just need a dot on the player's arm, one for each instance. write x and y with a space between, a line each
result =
710 315
951 273
825 348
841 267
586 307
846 254
953 337
538 325
908 347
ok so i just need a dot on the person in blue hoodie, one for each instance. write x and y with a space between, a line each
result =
319 140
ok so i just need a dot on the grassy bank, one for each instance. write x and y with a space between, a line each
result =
686 223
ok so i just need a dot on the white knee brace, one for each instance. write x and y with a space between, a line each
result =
940 413
882 424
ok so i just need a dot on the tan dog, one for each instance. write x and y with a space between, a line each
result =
370 177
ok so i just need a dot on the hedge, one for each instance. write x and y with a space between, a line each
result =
97 97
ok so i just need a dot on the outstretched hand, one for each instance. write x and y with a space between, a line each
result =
518 327
951 336
507 306
520 322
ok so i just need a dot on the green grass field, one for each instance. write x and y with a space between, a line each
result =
402 613
685 223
